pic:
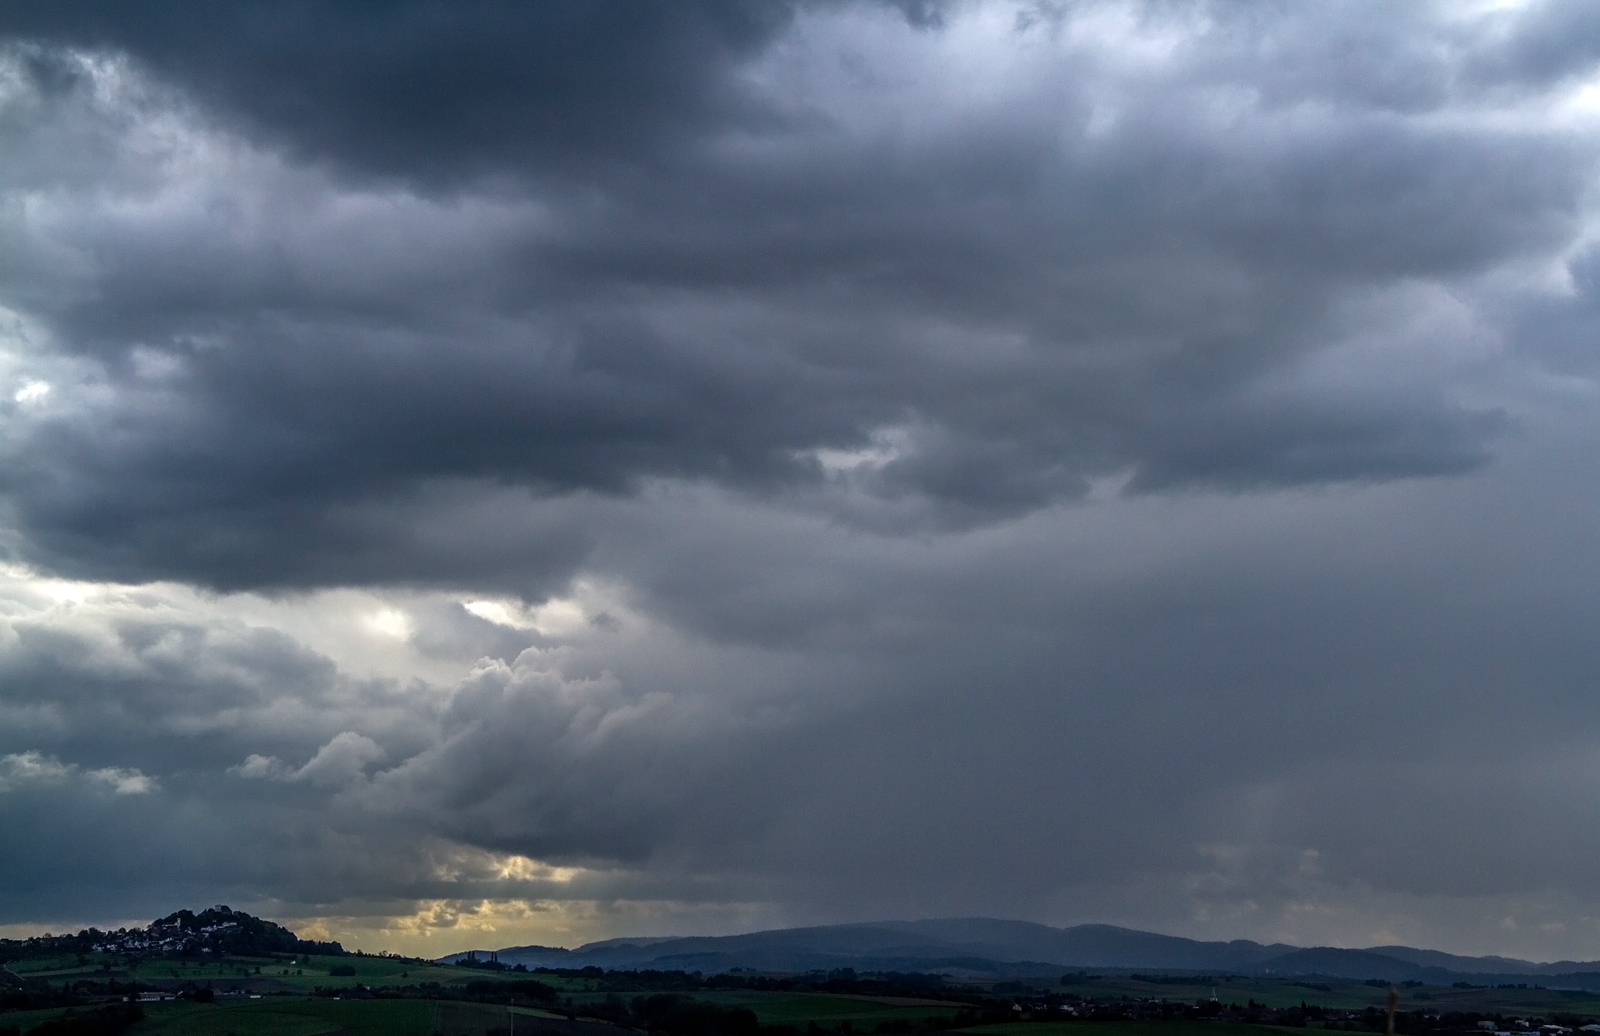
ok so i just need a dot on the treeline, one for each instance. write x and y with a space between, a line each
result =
675 1015
49 945
670 1014
680 1014
1159 980
529 990
525 993
37 999
844 980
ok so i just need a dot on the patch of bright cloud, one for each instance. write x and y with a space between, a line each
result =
389 622
32 392
124 782
31 767
468 863
501 613
263 767
556 617
342 761
884 447
37 768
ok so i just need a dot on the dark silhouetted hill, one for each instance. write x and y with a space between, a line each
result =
987 946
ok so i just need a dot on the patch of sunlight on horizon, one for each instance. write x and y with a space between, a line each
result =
438 927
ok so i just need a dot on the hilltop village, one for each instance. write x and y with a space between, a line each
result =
217 930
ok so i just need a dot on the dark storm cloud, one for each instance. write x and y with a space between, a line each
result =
1087 272
435 90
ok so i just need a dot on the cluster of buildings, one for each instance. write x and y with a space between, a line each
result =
162 938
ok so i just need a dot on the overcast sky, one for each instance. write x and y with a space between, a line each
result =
489 473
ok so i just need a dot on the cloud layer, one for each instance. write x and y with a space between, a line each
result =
610 465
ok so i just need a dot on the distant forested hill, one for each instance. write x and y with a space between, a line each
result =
987 946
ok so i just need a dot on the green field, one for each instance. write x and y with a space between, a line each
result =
827 1009
567 985
292 1016
244 1019
458 1019
1542 1002
306 973
257 974
27 1019
288 1017
286 1009
1175 1028
1339 995
40 967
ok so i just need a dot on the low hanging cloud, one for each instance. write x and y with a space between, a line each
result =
339 762
19 769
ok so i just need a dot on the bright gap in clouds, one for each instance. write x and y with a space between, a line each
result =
390 622
32 392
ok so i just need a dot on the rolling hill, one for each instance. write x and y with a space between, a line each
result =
979 946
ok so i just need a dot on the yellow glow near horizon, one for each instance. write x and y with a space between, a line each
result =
436 927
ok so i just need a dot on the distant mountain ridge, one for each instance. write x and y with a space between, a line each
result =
988 946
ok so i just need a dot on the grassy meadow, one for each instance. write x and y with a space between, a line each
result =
287 1017
283 1005
828 1010
1174 1028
